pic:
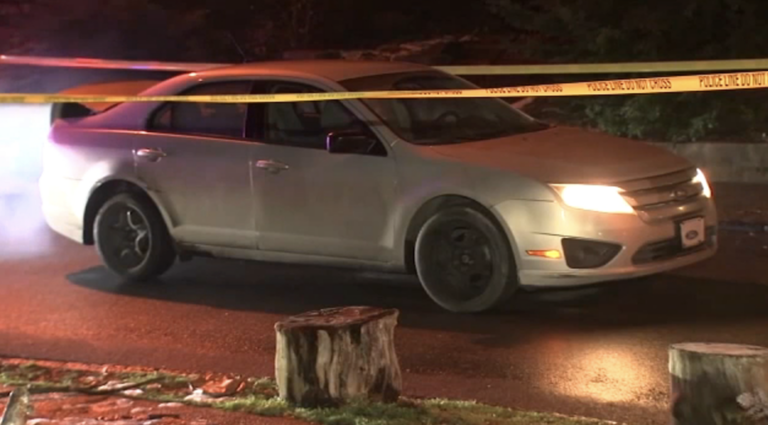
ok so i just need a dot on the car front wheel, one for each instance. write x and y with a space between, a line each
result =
132 239
464 261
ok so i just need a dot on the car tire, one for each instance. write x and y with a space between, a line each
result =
464 260
132 238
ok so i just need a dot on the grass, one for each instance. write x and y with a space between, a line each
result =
146 376
407 412
259 397
372 414
257 405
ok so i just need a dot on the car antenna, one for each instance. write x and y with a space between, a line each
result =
237 46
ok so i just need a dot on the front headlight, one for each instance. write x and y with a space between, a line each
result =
702 179
605 199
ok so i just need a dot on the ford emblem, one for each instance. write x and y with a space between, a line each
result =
692 235
678 194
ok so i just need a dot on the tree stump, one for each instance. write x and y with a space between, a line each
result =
718 384
329 357
16 410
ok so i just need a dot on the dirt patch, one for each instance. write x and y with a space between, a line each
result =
71 393
66 409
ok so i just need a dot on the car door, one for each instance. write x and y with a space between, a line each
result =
312 202
196 158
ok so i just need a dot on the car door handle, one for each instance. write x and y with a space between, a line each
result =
151 155
271 166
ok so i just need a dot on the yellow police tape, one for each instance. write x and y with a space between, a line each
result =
679 84
575 68
607 68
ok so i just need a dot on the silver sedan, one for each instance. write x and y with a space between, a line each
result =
472 195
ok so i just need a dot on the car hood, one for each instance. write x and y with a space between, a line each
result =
568 155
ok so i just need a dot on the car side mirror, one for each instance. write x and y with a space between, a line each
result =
350 142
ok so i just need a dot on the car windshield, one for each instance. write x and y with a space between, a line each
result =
441 120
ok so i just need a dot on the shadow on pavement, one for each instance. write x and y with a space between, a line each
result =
286 290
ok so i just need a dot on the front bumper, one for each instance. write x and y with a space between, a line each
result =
646 247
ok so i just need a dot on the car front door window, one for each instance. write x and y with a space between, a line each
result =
307 124
322 203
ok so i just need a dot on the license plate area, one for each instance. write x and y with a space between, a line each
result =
692 232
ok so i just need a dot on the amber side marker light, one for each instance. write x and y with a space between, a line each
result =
551 254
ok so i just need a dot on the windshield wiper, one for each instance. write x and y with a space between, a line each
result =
483 136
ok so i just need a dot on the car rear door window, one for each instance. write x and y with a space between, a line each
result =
206 118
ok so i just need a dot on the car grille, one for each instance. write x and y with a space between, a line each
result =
662 191
671 248
665 197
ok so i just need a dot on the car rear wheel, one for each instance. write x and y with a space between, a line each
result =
132 239
464 261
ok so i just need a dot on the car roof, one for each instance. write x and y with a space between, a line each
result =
113 88
335 70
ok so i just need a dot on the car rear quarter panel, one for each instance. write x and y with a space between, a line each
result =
89 157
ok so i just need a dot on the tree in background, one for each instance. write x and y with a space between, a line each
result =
584 31
120 29
212 30
110 29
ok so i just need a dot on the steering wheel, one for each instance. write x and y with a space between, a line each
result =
446 115
464 125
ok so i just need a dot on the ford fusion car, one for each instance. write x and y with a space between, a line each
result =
470 194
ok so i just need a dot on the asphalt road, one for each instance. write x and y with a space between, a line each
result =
597 352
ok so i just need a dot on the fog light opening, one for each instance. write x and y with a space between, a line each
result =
587 254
